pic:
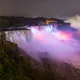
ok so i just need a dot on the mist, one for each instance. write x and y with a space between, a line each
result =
36 42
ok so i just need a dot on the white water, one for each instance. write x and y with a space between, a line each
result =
45 41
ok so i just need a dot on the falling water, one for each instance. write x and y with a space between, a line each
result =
34 41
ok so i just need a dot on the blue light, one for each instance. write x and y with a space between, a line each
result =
48 28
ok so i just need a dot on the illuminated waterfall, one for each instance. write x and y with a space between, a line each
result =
58 44
16 36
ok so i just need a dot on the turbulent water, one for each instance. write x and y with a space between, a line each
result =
59 45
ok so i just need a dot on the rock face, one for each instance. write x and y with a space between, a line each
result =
61 70
11 46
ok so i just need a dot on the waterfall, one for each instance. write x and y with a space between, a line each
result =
22 38
16 36
35 41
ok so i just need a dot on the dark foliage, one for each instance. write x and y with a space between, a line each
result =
8 22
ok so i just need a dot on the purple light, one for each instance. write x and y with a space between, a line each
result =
45 40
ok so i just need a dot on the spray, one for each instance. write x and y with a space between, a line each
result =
61 48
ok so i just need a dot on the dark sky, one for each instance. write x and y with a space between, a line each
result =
46 8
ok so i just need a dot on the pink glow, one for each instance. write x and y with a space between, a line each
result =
62 35
44 41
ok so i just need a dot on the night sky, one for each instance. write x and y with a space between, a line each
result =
46 8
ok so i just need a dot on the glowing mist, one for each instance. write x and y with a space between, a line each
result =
46 41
